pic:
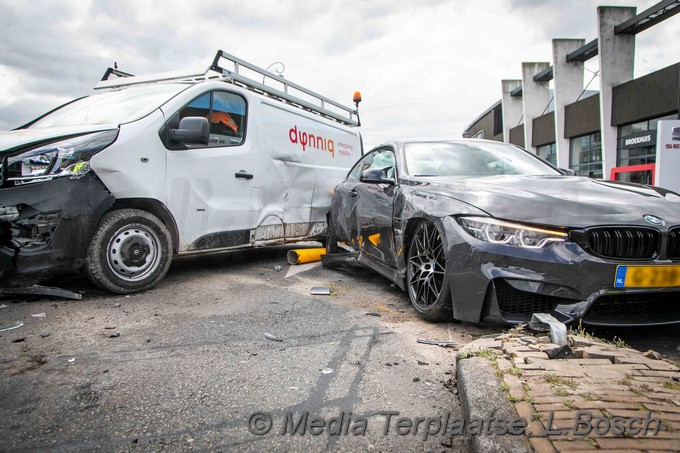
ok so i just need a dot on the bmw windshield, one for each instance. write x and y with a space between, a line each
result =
471 159
111 107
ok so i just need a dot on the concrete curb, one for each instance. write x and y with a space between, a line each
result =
480 397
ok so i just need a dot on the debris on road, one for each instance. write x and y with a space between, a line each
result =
327 371
653 355
421 363
15 326
45 334
116 305
443 344
320 291
38 290
18 340
278 268
302 256
558 331
38 315
3 306
115 335
271 337
377 315
71 360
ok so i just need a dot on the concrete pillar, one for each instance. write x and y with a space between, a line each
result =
536 98
567 86
512 107
616 54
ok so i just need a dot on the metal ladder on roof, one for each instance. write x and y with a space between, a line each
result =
280 88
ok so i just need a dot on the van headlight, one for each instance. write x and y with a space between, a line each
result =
66 157
509 233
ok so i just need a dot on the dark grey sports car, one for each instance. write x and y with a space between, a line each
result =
476 231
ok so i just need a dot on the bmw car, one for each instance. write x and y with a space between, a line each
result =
478 231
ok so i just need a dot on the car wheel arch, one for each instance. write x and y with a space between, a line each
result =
153 207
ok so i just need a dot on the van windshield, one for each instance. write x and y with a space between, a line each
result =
112 107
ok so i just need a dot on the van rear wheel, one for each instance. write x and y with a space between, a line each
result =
130 251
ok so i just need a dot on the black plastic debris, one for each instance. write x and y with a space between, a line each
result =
37 290
115 335
377 315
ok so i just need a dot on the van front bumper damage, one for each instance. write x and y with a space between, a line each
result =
46 227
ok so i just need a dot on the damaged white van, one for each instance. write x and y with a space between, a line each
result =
118 182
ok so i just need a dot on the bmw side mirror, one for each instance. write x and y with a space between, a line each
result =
378 176
192 130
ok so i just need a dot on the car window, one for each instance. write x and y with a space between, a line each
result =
111 107
376 160
226 113
472 159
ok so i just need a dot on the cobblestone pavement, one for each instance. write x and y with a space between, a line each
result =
572 404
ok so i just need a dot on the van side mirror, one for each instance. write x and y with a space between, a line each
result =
378 176
567 171
192 130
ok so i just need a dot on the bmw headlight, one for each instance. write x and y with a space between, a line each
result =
508 233
63 158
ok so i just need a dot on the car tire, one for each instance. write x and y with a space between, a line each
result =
130 251
426 282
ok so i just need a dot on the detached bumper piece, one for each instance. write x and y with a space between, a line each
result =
45 227
638 308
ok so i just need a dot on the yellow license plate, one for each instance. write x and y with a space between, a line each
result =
647 276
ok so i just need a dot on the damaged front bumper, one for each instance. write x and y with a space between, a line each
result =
507 285
46 227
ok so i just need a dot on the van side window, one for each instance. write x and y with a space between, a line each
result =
228 119
226 113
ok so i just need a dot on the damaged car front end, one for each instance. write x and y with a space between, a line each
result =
481 231
50 202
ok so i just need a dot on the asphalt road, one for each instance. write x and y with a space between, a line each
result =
186 365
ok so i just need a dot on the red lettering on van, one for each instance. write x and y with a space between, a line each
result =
314 141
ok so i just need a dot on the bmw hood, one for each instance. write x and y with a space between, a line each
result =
12 140
569 201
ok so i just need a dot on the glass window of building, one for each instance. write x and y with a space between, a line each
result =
637 142
548 152
586 155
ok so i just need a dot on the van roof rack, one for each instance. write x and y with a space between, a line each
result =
279 88
113 71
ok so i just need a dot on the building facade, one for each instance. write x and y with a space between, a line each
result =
608 134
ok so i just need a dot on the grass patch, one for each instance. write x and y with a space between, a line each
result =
581 331
672 385
486 353
554 379
515 371
570 405
561 391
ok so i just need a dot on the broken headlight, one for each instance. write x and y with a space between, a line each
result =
508 233
63 158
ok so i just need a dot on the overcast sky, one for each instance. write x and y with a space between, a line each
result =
425 68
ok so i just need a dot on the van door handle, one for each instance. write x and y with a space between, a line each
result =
353 192
243 175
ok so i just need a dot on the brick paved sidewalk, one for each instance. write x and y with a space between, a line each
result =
601 380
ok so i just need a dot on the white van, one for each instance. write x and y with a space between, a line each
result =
117 182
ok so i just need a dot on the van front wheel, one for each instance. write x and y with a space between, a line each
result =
130 251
